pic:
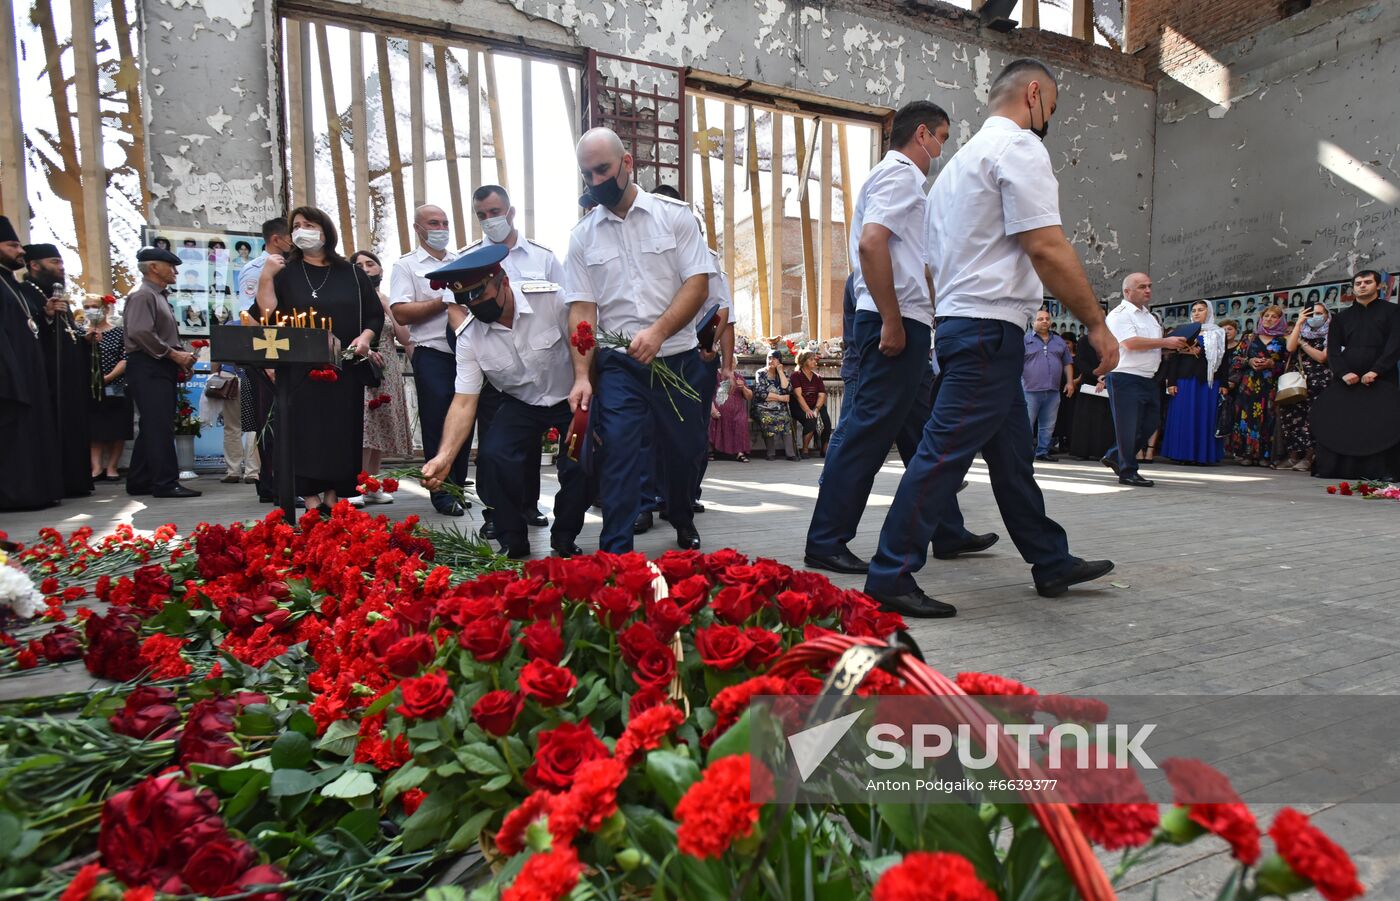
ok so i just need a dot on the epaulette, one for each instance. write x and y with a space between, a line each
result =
539 245
585 217
671 200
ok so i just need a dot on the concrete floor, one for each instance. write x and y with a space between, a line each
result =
1228 581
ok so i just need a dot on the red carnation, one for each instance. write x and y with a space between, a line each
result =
562 750
591 800
645 731
510 838
546 684
1068 709
1315 857
719 809
1212 804
730 703
83 883
425 698
390 485
722 647
583 339
496 712
546 877
932 876
988 684
1110 804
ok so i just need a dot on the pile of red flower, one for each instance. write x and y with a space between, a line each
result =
1370 490
374 403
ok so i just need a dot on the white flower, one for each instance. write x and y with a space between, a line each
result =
19 594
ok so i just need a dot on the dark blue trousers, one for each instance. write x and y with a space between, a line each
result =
434 374
487 405
629 407
654 475
1137 409
979 407
708 387
510 458
151 384
888 407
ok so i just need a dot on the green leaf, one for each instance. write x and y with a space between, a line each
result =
340 738
958 828
404 778
247 795
427 823
467 834
445 893
351 784
10 831
286 783
379 705
497 782
291 751
735 740
256 723
363 824
301 721
876 868
590 701
483 759
671 775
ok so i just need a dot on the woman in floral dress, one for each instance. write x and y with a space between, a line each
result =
1307 344
772 389
387 429
1254 372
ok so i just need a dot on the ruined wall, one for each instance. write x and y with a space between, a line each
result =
1254 186
1177 32
211 116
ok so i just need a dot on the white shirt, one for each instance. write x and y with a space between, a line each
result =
529 360
1130 321
893 196
632 268
248 282
408 282
998 185
526 261
719 294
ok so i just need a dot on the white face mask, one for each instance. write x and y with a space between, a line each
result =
437 238
497 228
94 314
308 238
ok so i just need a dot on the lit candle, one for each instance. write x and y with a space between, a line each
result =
313 317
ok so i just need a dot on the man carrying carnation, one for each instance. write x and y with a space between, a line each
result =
516 339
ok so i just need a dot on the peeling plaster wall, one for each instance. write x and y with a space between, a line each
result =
1243 201
210 112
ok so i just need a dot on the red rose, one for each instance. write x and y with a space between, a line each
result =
409 655
655 668
542 642
208 737
737 603
636 640
666 618
562 750
425 698
580 577
61 644
496 712
488 639
690 594
794 607
216 866
546 684
265 875
722 647
614 606
646 699
150 831
766 646
149 713
114 652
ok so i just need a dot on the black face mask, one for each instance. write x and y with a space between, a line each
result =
1044 128
608 192
376 279
488 311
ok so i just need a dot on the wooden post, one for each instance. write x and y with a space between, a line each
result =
760 251
1030 13
1081 20
391 138
825 220
358 128
474 125
498 131
296 113
67 184
307 147
128 80
335 133
848 192
777 305
449 138
95 248
809 262
566 87
702 145
14 190
527 140
729 191
418 130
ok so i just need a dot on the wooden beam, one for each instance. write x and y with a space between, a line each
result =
566 87
296 112
1030 14
527 140
418 145
359 127
729 192
474 126
335 132
67 182
128 80
391 138
809 262
1081 20
848 194
307 147
96 248
449 138
14 189
777 305
702 146
759 248
498 131
826 314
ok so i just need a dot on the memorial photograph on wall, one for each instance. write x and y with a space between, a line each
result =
205 293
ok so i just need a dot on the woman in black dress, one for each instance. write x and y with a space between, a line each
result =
1092 434
327 416
109 409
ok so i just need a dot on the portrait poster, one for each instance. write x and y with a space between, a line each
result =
206 287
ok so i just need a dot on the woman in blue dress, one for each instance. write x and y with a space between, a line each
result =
1197 381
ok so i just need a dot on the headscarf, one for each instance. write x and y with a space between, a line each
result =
1321 331
1275 331
1213 339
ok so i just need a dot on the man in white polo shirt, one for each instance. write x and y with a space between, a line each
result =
1133 391
994 245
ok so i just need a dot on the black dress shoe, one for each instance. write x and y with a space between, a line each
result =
517 551
687 539
1047 458
974 545
843 562
488 531
697 507
324 510
1082 571
914 604
137 492
962 486
643 524
1136 481
177 491
539 520
565 549
449 508
1110 464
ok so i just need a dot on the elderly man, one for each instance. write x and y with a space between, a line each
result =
154 360
994 245
1133 391
415 303
637 266
1047 366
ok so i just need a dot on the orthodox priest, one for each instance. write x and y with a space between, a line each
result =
68 363
29 470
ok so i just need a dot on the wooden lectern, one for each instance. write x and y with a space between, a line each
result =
291 353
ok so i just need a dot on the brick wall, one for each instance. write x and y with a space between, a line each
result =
1199 26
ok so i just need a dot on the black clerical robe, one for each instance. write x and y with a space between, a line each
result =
29 470
1361 339
68 369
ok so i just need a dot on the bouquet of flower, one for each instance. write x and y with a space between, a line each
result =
585 339
1369 490
550 444
18 596
187 421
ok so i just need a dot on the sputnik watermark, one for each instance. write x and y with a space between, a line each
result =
929 743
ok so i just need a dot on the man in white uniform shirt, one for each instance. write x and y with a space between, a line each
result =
637 266
416 304
516 338
893 334
994 237
1133 391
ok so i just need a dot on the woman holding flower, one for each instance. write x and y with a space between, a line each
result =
387 429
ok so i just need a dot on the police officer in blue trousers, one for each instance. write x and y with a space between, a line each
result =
517 339
637 266
994 245
893 336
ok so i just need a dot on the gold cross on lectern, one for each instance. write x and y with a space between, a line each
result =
270 344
